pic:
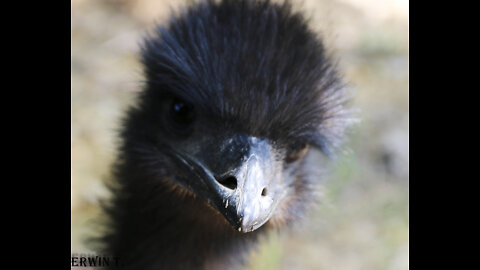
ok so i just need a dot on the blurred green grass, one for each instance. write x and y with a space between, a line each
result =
362 222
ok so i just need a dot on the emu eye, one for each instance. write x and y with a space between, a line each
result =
181 114
296 153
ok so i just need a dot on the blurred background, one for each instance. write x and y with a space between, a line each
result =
362 222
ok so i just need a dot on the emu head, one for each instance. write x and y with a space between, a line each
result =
236 94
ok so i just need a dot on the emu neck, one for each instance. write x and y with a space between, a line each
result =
163 229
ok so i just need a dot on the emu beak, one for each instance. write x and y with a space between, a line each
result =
248 192
253 201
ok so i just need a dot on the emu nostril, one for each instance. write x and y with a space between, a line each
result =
229 182
264 192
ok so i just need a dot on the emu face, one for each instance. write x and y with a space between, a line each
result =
242 175
236 94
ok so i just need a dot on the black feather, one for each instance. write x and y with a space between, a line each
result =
252 64
249 66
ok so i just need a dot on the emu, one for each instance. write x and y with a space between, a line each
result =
213 153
